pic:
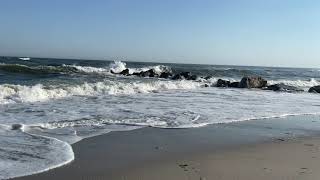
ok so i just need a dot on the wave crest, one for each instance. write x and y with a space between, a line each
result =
297 83
39 92
118 66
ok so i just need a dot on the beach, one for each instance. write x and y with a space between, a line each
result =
84 119
278 148
159 90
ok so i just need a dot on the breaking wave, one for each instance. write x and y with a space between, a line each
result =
297 83
20 93
88 100
118 66
24 69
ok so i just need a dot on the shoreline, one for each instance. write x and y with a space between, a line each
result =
151 153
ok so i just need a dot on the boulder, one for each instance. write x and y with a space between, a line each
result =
282 87
125 72
252 82
149 73
177 77
165 75
314 89
223 83
192 77
234 84
137 73
184 75
16 126
208 77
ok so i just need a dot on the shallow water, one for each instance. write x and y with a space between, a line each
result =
59 102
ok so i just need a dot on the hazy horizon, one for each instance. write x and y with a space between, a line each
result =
246 32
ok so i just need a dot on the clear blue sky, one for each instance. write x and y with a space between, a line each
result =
241 32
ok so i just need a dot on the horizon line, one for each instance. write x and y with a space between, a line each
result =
146 61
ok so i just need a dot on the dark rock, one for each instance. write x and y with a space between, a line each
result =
165 75
314 89
137 73
145 74
223 83
184 75
234 84
206 85
192 77
177 77
282 87
125 72
149 73
16 126
207 77
252 82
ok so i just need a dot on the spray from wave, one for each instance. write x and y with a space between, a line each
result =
118 66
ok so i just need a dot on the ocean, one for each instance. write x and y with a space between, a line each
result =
46 105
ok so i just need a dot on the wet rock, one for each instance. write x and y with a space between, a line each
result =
223 83
149 73
314 89
137 73
207 77
282 87
177 77
252 82
184 75
16 126
125 72
192 77
234 84
165 75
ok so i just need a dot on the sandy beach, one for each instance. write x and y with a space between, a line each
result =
285 148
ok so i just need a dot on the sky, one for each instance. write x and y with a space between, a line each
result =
232 32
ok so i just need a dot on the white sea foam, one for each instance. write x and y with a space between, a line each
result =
55 116
89 69
40 154
118 66
25 58
39 93
297 83
213 80
97 111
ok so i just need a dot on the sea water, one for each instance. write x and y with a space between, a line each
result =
48 104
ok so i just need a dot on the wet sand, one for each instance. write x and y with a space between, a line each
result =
286 148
